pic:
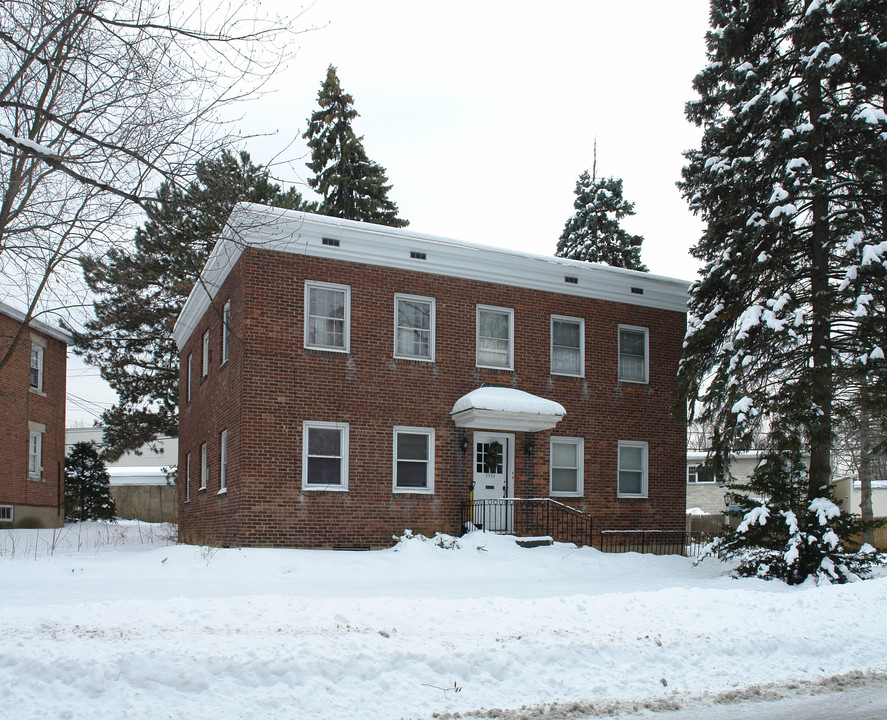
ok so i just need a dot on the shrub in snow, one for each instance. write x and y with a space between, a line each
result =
441 540
783 535
87 485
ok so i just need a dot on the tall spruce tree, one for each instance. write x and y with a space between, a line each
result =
141 290
594 233
87 485
351 185
787 323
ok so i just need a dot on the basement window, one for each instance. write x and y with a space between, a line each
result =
7 513
332 242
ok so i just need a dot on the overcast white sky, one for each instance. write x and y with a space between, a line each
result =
484 115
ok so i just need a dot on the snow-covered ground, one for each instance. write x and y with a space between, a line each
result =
114 621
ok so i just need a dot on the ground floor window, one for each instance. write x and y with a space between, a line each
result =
204 467
324 456
566 466
35 454
413 459
632 480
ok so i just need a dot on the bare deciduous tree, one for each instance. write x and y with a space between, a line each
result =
100 102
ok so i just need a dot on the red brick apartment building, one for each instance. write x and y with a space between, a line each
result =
32 423
341 382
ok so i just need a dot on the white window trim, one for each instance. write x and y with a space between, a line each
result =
580 459
343 427
188 379
346 333
10 512
40 355
223 463
429 432
226 331
581 322
696 468
510 313
432 333
644 473
205 365
35 459
646 333
188 477
204 467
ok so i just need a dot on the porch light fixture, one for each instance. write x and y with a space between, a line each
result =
529 447
463 444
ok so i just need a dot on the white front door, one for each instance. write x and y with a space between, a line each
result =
493 480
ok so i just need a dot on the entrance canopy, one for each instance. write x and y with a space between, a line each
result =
498 408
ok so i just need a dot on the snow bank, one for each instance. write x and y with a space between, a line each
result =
143 629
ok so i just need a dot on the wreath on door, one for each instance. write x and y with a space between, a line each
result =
493 458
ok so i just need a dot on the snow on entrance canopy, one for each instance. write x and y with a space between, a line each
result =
496 408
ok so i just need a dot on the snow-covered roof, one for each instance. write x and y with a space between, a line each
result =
291 231
498 408
41 327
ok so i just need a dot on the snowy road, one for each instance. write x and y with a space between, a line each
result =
124 628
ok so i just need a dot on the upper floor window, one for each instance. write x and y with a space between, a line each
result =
37 366
327 316
566 466
632 480
35 454
226 331
204 370
414 327
567 346
495 333
324 456
413 459
633 354
188 378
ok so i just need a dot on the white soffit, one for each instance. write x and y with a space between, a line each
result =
302 233
498 408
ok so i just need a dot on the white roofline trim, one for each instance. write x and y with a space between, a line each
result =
291 231
37 325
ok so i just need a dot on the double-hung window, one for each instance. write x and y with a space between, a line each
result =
413 459
223 463
633 354
188 477
566 466
226 331
188 377
327 316
567 346
204 370
495 333
35 454
632 480
414 327
324 456
204 467
37 367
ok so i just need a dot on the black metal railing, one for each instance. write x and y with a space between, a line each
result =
528 518
655 542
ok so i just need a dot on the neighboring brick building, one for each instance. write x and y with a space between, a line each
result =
337 408
32 423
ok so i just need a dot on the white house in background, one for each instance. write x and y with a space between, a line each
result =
706 492
139 482
848 492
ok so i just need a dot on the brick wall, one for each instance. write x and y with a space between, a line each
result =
36 501
272 383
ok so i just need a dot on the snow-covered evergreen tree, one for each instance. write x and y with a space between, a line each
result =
352 186
787 321
87 485
594 232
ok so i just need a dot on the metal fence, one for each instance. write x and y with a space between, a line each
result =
528 517
655 542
